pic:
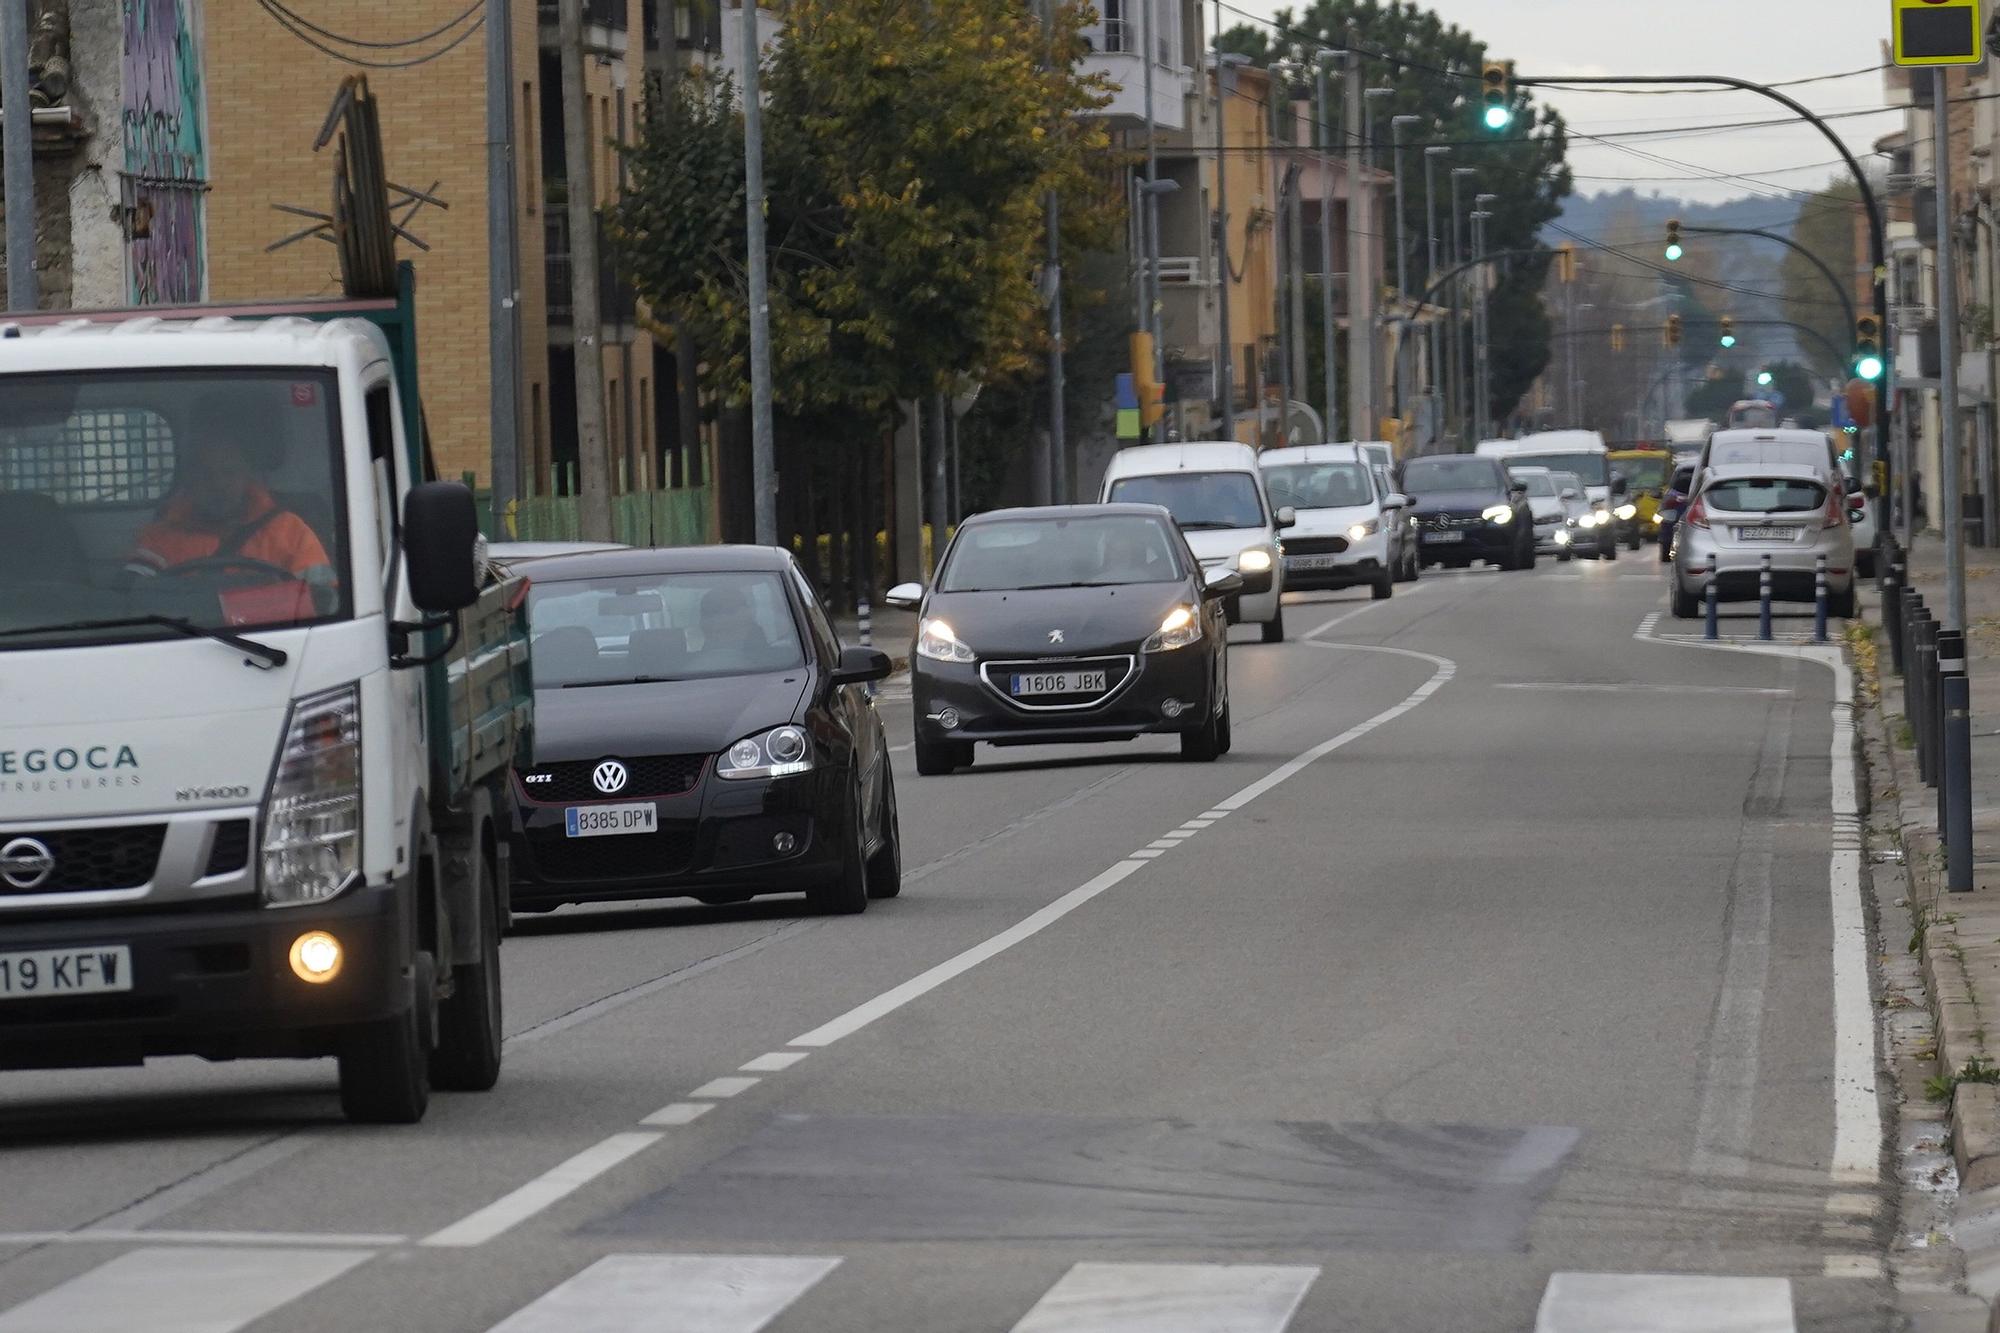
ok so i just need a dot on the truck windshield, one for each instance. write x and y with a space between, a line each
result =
143 504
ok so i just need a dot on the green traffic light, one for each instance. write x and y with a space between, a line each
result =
1498 117
1674 252
1764 378
1868 366
1729 340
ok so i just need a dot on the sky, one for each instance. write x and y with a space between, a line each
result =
1765 40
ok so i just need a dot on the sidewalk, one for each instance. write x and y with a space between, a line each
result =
1956 935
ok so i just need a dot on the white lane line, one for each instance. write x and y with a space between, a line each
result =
1857 1114
1646 624
679 1113
1665 1303
1635 687
924 983
164 1290
1214 814
1171 1298
672 1293
111 1236
1165 844
1194 826
772 1062
1146 854
549 1188
719 1088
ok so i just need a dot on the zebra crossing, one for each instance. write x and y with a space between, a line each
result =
222 1289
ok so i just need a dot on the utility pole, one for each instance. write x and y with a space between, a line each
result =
1052 286
1328 326
763 449
1360 276
1296 253
593 465
1481 398
503 258
1225 63
1149 213
1459 413
1405 332
23 291
1431 156
1949 470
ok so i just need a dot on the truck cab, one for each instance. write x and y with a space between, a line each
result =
257 701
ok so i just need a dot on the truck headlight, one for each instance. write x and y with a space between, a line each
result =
1256 560
312 820
777 753
936 641
1180 628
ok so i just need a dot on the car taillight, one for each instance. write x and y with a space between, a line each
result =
1696 516
1836 512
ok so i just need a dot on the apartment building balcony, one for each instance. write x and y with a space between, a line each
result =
1117 51
604 26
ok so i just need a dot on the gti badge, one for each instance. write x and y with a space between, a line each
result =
609 777
1055 636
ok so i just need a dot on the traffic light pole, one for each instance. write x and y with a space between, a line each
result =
1955 775
1846 301
1877 250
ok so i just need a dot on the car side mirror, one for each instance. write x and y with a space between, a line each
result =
1286 517
1569 493
858 666
905 595
1396 500
440 534
1220 582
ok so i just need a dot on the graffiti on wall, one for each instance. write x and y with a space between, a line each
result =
166 160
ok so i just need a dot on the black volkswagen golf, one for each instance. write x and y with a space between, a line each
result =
699 732
1069 623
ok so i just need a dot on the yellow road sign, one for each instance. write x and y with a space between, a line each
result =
1936 32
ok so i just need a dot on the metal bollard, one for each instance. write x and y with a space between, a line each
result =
1926 699
1913 614
1950 664
1819 600
864 613
1892 616
1955 785
1764 599
1710 610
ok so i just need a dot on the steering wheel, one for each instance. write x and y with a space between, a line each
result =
217 563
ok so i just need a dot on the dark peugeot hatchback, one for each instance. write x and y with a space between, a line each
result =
1069 623
699 732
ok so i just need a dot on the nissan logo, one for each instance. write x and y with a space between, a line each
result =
26 863
609 777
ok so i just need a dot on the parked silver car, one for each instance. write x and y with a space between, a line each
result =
1789 512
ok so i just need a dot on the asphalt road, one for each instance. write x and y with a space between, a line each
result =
1497 966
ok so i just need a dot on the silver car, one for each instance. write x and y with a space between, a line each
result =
1788 512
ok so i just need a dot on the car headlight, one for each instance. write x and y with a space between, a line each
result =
1366 528
312 821
1562 538
777 753
1586 521
936 641
1498 513
1256 560
1181 627
1626 513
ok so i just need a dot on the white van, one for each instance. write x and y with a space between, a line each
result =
1216 494
1580 451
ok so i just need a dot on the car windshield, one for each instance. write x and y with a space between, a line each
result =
1442 473
1644 472
688 626
1589 466
1011 554
1319 485
139 504
1765 495
1540 485
1197 499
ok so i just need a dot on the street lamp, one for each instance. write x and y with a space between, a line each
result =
1226 65
1152 188
1454 256
1481 399
1431 156
1328 146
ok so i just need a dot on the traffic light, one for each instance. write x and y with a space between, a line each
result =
1674 251
1617 337
1868 347
1764 378
1496 94
1566 263
1728 338
1148 401
1672 333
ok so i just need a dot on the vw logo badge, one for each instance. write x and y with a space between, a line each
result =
609 777
1055 636
26 863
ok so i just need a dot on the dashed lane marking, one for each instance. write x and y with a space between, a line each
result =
687 1293
545 1190
1170 1298
216 1290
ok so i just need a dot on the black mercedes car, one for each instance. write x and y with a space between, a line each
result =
1466 508
1069 623
699 732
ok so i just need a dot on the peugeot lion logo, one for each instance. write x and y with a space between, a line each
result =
26 863
609 777
1055 636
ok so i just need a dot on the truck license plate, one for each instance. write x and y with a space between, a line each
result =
1060 682
603 821
45 972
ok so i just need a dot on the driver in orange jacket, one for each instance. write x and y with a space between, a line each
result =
220 511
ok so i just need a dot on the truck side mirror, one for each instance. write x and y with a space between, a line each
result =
440 530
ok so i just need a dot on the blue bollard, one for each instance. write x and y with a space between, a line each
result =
1710 609
1764 600
1819 600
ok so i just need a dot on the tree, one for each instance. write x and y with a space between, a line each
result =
1795 389
1825 226
1434 69
1712 397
